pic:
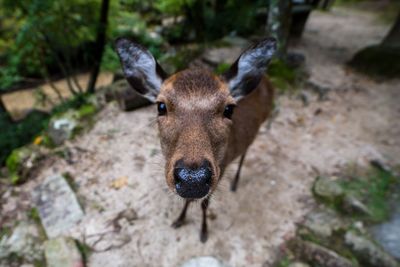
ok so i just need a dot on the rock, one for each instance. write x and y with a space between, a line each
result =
387 234
50 197
62 252
22 162
295 60
118 75
235 41
204 262
25 244
323 223
328 189
352 204
126 97
63 127
221 55
298 264
317 255
367 252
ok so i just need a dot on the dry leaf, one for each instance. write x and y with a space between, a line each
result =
119 182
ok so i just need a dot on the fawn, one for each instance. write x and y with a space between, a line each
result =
205 121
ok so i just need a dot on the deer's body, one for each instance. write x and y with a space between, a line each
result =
205 121
250 113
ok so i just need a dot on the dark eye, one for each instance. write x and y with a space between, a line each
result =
229 111
162 108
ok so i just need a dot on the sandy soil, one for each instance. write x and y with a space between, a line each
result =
358 122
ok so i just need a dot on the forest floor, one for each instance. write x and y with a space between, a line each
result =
357 122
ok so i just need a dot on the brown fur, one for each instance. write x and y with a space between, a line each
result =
195 128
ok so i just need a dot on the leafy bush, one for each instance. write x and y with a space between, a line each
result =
13 135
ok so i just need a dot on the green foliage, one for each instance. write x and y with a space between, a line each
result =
221 68
373 190
13 135
283 77
210 20
43 30
18 134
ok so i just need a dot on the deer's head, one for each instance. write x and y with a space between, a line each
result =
195 109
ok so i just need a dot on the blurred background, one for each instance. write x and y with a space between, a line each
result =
65 119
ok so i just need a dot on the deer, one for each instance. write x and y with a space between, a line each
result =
205 121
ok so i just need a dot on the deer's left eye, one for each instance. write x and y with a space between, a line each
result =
162 108
228 111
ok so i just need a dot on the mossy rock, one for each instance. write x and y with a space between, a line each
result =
378 61
22 161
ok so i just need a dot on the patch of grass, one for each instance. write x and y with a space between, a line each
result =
373 190
84 249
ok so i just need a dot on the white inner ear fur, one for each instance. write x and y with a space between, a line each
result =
252 62
140 64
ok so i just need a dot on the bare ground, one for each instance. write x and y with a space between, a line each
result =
358 122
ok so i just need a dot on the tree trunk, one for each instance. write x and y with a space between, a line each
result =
393 37
100 43
278 23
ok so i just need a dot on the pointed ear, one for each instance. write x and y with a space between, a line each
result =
245 74
141 69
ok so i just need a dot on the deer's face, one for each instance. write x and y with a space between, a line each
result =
195 111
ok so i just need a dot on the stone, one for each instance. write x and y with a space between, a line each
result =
127 98
217 56
352 204
387 234
22 162
235 41
328 189
63 127
50 198
62 252
298 264
317 255
367 251
204 262
324 222
25 243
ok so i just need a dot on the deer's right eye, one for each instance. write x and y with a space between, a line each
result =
162 108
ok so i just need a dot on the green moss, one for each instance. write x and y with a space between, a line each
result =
378 61
284 262
334 242
86 110
283 77
372 187
221 68
13 161
5 231
84 249
373 190
33 214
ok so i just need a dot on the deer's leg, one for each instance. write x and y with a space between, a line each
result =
237 176
181 219
204 231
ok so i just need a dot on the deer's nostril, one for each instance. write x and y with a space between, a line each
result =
192 182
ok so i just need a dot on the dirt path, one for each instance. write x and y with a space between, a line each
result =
357 123
20 103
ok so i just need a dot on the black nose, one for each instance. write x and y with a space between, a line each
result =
192 182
